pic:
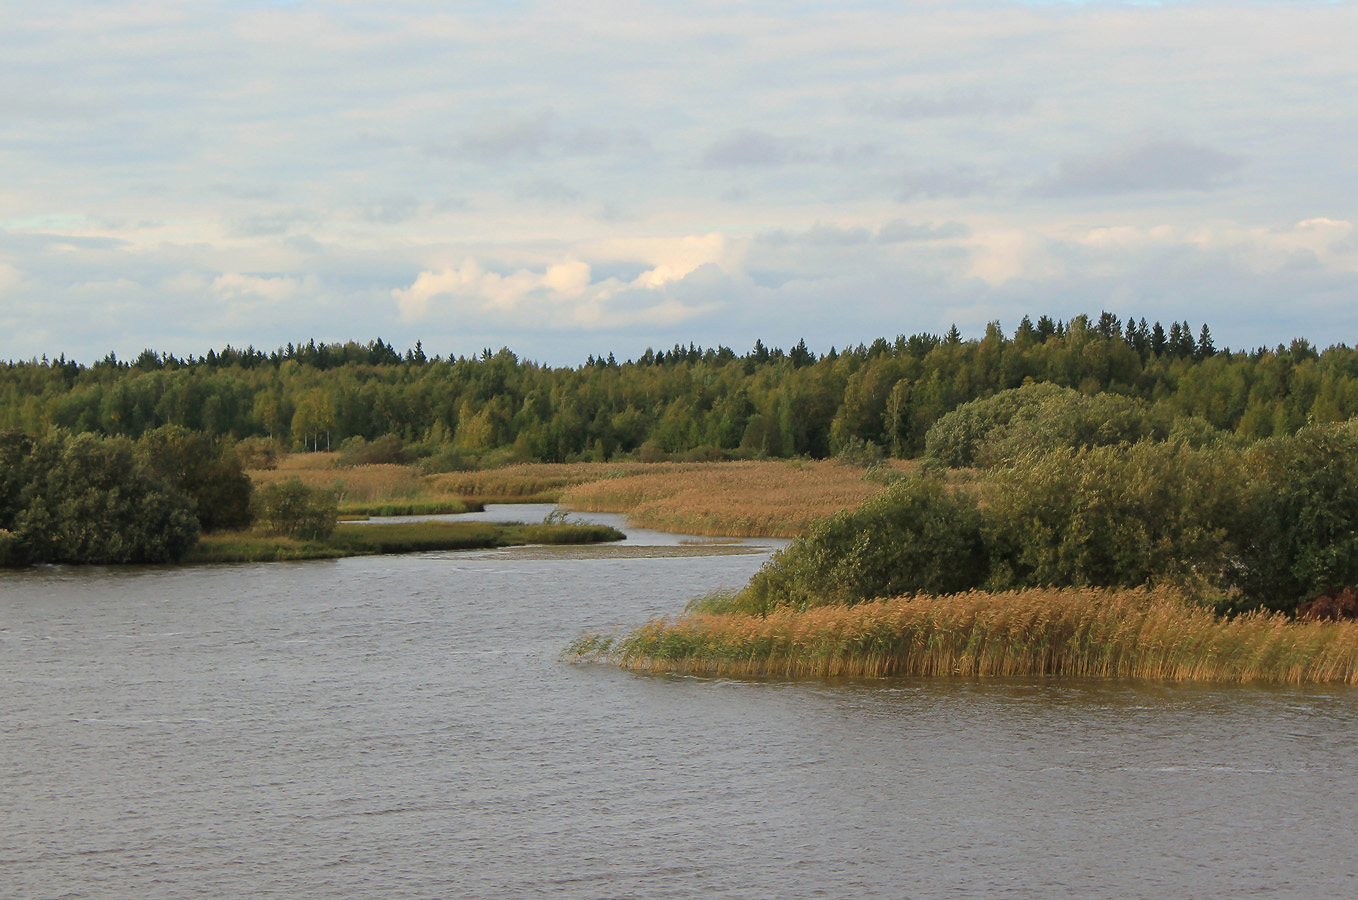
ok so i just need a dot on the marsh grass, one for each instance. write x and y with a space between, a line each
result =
761 498
358 539
1151 634
531 482
386 489
751 498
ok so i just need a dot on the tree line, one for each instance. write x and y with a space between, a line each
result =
683 402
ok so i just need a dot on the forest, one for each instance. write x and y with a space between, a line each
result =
681 403
1101 452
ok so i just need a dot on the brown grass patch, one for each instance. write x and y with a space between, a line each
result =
750 499
1074 632
766 498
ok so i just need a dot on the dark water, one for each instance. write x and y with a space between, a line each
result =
400 727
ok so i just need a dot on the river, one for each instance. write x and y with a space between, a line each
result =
401 727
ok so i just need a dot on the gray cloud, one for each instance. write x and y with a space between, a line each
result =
961 181
819 234
391 210
749 147
899 231
940 106
271 224
1146 165
547 190
497 140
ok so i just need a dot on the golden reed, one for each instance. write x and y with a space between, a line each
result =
1089 632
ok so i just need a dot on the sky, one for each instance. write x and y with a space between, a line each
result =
569 179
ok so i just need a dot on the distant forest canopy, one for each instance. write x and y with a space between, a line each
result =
687 402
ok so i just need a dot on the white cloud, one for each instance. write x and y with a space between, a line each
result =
10 277
272 288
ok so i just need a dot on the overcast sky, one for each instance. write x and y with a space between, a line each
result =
573 178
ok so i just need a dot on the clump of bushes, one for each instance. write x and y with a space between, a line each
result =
1269 527
997 430
292 509
917 535
388 449
86 499
206 469
260 453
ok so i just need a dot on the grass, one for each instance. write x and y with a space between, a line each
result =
375 490
1072 632
752 498
749 498
351 539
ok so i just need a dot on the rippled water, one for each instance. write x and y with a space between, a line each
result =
401 727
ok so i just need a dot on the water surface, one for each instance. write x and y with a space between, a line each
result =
401 727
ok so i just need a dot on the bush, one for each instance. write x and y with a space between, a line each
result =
260 453
955 438
1113 516
207 470
916 536
1036 417
86 499
291 508
388 449
1300 538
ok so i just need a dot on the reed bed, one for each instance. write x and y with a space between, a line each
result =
384 489
1150 634
352 539
762 498
541 482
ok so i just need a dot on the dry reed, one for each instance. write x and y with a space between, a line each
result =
380 489
1073 632
750 499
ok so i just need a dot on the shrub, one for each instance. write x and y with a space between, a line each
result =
388 449
207 470
259 453
293 509
955 438
1113 516
1300 538
917 535
86 499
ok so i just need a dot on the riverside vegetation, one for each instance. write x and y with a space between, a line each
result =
177 495
1084 455
1070 550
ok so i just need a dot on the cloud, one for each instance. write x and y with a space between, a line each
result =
1142 166
900 231
10 277
961 181
272 288
941 106
565 293
271 224
496 140
547 190
748 147
391 210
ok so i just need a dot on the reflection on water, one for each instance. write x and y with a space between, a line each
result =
401 727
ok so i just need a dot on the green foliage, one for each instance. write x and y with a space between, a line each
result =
1112 516
291 508
86 499
1300 536
259 453
206 469
916 536
359 451
497 407
955 439
1039 417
